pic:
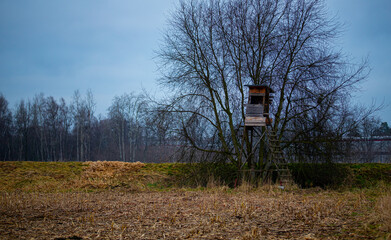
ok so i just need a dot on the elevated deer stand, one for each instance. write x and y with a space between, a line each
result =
262 151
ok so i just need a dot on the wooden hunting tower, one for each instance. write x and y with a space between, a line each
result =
260 144
257 110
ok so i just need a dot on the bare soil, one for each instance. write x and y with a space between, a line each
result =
218 213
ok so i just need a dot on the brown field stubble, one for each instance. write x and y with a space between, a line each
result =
180 214
78 201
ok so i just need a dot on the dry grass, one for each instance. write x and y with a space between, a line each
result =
110 174
382 213
266 213
113 200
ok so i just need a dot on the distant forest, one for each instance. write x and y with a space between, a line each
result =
47 129
134 129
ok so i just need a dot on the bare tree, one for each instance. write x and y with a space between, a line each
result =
127 114
5 130
83 114
51 126
37 127
65 121
22 122
212 49
118 123
135 112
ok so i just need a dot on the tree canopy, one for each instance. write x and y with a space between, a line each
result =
212 49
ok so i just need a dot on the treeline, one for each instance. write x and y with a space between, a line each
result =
49 129
139 129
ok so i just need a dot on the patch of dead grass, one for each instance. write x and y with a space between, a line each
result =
383 213
110 169
110 174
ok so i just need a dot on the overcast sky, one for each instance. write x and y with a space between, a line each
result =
57 47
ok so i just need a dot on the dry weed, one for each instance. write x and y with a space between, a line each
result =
245 187
383 213
213 183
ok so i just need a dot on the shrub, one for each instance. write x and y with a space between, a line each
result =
319 175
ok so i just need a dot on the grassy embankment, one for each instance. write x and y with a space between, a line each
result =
78 176
114 200
97 176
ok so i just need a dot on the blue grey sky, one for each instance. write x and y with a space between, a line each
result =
56 47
